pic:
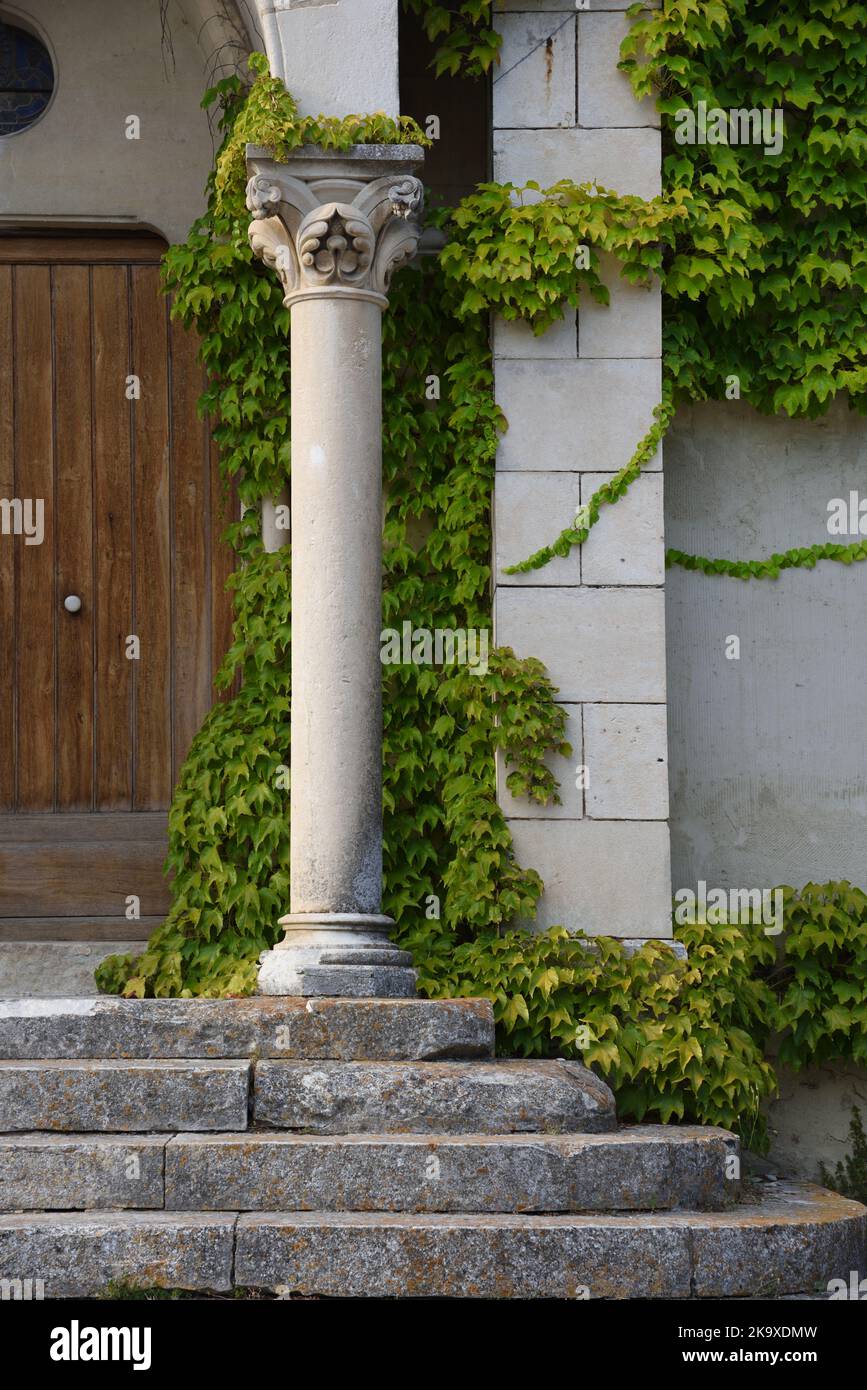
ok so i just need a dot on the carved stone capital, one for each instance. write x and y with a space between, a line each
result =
336 222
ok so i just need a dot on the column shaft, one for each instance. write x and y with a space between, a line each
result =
336 801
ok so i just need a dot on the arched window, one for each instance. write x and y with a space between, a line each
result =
26 78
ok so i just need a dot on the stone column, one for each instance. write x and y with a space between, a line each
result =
335 226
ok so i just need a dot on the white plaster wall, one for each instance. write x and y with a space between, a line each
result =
768 752
75 165
578 400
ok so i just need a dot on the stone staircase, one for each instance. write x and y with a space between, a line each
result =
363 1147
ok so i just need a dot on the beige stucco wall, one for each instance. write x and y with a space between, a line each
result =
76 164
809 1122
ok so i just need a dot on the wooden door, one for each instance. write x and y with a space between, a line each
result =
98 422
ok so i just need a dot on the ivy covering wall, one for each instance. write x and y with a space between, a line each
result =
762 257
763 263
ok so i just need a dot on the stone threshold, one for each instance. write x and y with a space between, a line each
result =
800 1238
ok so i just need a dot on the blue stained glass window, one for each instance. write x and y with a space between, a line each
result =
26 78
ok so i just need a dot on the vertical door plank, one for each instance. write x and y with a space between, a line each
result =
225 509
7 550
35 620
153 685
74 521
190 541
112 539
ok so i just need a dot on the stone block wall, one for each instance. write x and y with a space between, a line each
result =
578 399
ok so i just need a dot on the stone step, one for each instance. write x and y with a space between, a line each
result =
130 1096
653 1167
80 1172
338 1029
793 1241
508 1097
77 1254
632 1169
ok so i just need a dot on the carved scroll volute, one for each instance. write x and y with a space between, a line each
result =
347 246
275 222
396 247
394 207
272 245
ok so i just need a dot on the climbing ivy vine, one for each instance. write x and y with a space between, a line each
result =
761 256
465 39
766 280
800 557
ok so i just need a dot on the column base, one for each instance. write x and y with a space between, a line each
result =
341 955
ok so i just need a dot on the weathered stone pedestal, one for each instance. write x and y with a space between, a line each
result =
363 1148
335 226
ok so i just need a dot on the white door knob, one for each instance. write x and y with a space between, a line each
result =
72 603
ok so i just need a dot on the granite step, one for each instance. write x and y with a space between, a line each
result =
631 1169
335 1029
130 1096
78 1254
448 1097
793 1241
81 1172
653 1167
